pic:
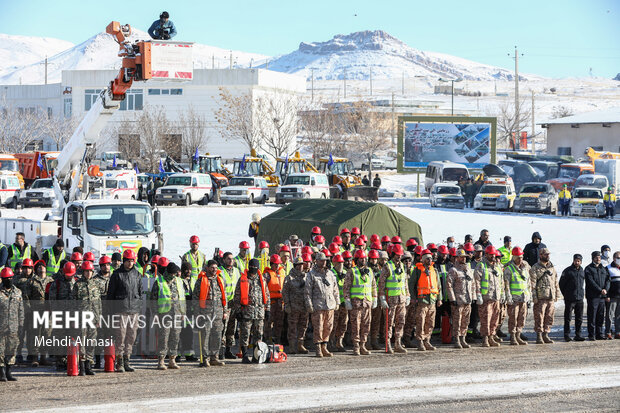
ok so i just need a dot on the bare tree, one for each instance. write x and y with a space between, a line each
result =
59 129
276 123
561 111
236 118
317 125
154 130
507 125
20 126
193 126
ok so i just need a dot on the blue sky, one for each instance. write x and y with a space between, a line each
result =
558 38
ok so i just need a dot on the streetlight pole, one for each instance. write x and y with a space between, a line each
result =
452 81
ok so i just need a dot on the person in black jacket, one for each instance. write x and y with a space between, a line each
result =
484 239
125 301
597 285
532 250
572 287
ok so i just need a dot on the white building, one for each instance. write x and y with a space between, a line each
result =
80 88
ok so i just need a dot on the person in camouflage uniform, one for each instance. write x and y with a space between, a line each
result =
35 297
295 307
103 278
394 297
59 295
409 327
517 292
545 289
251 305
21 281
377 319
274 276
230 274
461 292
489 277
11 321
426 286
209 306
168 302
87 298
360 296
341 315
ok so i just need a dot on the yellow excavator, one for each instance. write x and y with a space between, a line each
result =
255 165
344 182
292 165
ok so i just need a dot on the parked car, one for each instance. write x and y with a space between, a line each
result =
444 171
185 189
40 193
245 190
537 197
447 195
587 201
303 185
596 181
9 195
496 196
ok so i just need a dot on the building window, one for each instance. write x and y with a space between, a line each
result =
564 150
68 107
154 92
176 92
158 92
90 97
134 100
50 112
165 91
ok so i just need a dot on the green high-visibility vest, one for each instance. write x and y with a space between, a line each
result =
196 264
340 286
518 283
395 283
241 263
288 267
230 282
506 255
164 300
443 276
19 257
484 282
138 268
52 266
362 285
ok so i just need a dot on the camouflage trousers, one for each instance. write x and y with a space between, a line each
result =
489 317
250 329
125 335
297 325
396 320
410 320
210 336
38 332
424 321
88 337
8 348
503 313
168 340
273 326
360 324
228 330
544 310
516 317
322 325
377 321
341 318
460 319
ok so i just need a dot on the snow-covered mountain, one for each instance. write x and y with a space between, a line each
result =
18 51
101 52
386 55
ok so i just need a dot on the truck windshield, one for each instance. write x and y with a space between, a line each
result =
533 189
9 165
242 182
41 183
119 220
297 180
589 180
448 190
571 173
179 180
493 189
588 193
250 168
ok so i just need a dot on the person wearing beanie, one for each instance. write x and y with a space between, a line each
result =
186 344
117 260
572 287
597 285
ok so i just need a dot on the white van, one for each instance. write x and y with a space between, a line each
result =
185 189
444 171
9 190
303 185
118 184
246 190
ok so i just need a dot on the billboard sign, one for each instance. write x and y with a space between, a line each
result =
464 143
171 61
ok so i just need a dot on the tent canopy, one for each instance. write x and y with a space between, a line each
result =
331 216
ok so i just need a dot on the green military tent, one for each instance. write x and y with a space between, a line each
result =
331 215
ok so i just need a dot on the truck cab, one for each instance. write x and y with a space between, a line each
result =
40 193
109 159
569 172
587 201
117 184
444 171
246 190
537 197
185 189
303 185
495 194
9 190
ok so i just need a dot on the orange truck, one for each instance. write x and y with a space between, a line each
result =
569 172
29 165
9 165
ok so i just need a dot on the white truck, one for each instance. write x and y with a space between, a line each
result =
117 184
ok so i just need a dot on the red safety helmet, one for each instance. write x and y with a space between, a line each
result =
116 228
319 239
396 240
89 256
244 245
163 262
337 258
275 259
155 259
374 238
316 230
306 257
69 269
355 231
443 250
360 254
388 249
426 251
491 250
6 273
364 237
469 247
333 248
431 246
76 256
87 265
326 252
418 250
517 251
345 231
27 262
194 239
129 255
373 254
411 243
397 249
347 255
307 250
376 246
337 240
105 259
285 248
385 238
497 253
262 245
452 252
359 242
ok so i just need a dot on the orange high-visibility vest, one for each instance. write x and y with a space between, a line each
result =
205 285
276 281
244 285
427 283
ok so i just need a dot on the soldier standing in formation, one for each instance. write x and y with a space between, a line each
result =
394 297
87 296
461 294
294 305
11 322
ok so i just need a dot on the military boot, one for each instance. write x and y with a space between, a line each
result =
9 376
513 340
546 338
390 350
2 373
126 365
493 342
221 354
324 350
374 343
161 364
485 341
229 355
300 348
407 342
318 351
356 348
205 362
500 333
35 362
172 363
421 346
457 342
88 368
43 361
363 350
539 338
97 361
339 346
463 342
82 372
118 367
520 340
398 347
497 338
215 362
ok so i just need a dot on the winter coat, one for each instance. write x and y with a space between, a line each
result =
255 310
495 291
125 290
87 297
531 252
11 311
523 274
321 290
346 289
213 301
597 279
155 31
544 282
177 305
460 285
572 283
294 290
614 278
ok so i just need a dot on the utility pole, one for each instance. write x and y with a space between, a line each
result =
345 82
212 61
371 81
533 126
45 63
517 98
393 123
231 59
403 84
312 84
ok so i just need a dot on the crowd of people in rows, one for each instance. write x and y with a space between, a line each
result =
382 293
